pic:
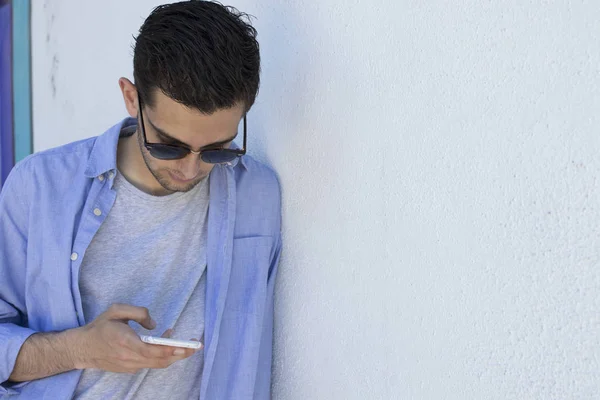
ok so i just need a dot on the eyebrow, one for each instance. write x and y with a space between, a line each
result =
164 135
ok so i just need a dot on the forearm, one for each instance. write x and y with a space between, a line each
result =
46 354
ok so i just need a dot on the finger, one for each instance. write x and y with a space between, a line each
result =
160 363
126 312
186 352
201 344
154 351
168 333
169 356
144 355
180 353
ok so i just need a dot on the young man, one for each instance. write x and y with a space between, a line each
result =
160 226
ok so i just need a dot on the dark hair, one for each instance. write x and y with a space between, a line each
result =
199 53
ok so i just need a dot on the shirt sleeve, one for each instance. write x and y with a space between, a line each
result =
262 389
14 222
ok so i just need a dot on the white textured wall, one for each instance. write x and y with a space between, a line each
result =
440 164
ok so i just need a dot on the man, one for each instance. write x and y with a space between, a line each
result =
159 226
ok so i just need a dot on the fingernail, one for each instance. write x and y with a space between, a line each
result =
179 352
152 323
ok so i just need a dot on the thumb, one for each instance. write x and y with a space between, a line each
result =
126 312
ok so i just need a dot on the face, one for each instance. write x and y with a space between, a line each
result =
170 122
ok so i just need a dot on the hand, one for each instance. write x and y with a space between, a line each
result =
109 343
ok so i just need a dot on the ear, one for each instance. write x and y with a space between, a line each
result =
129 96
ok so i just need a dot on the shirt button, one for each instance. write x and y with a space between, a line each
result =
111 175
97 212
101 178
74 257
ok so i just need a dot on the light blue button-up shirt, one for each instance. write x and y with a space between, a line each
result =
48 217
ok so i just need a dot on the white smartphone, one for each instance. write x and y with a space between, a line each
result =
188 344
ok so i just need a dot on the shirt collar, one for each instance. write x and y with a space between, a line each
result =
103 157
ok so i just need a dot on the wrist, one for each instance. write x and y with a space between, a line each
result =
74 342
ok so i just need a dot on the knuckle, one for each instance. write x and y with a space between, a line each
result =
154 354
146 353
114 307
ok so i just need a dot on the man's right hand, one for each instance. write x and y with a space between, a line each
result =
109 343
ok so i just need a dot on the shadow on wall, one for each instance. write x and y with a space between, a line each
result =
284 48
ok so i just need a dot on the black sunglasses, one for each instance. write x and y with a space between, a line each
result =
164 151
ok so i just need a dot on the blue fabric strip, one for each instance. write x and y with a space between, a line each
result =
22 78
6 122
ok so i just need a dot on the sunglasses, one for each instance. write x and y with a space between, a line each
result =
164 151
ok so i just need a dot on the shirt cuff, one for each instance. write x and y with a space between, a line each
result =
12 338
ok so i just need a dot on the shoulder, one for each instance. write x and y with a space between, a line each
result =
43 178
58 162
257 177
258 195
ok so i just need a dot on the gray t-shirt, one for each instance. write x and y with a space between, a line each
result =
151 252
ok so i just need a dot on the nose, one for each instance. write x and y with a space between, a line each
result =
190 166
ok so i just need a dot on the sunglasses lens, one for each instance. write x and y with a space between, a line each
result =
218 156
167 152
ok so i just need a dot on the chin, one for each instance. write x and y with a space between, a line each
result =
180 186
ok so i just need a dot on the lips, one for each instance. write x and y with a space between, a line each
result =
179 179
